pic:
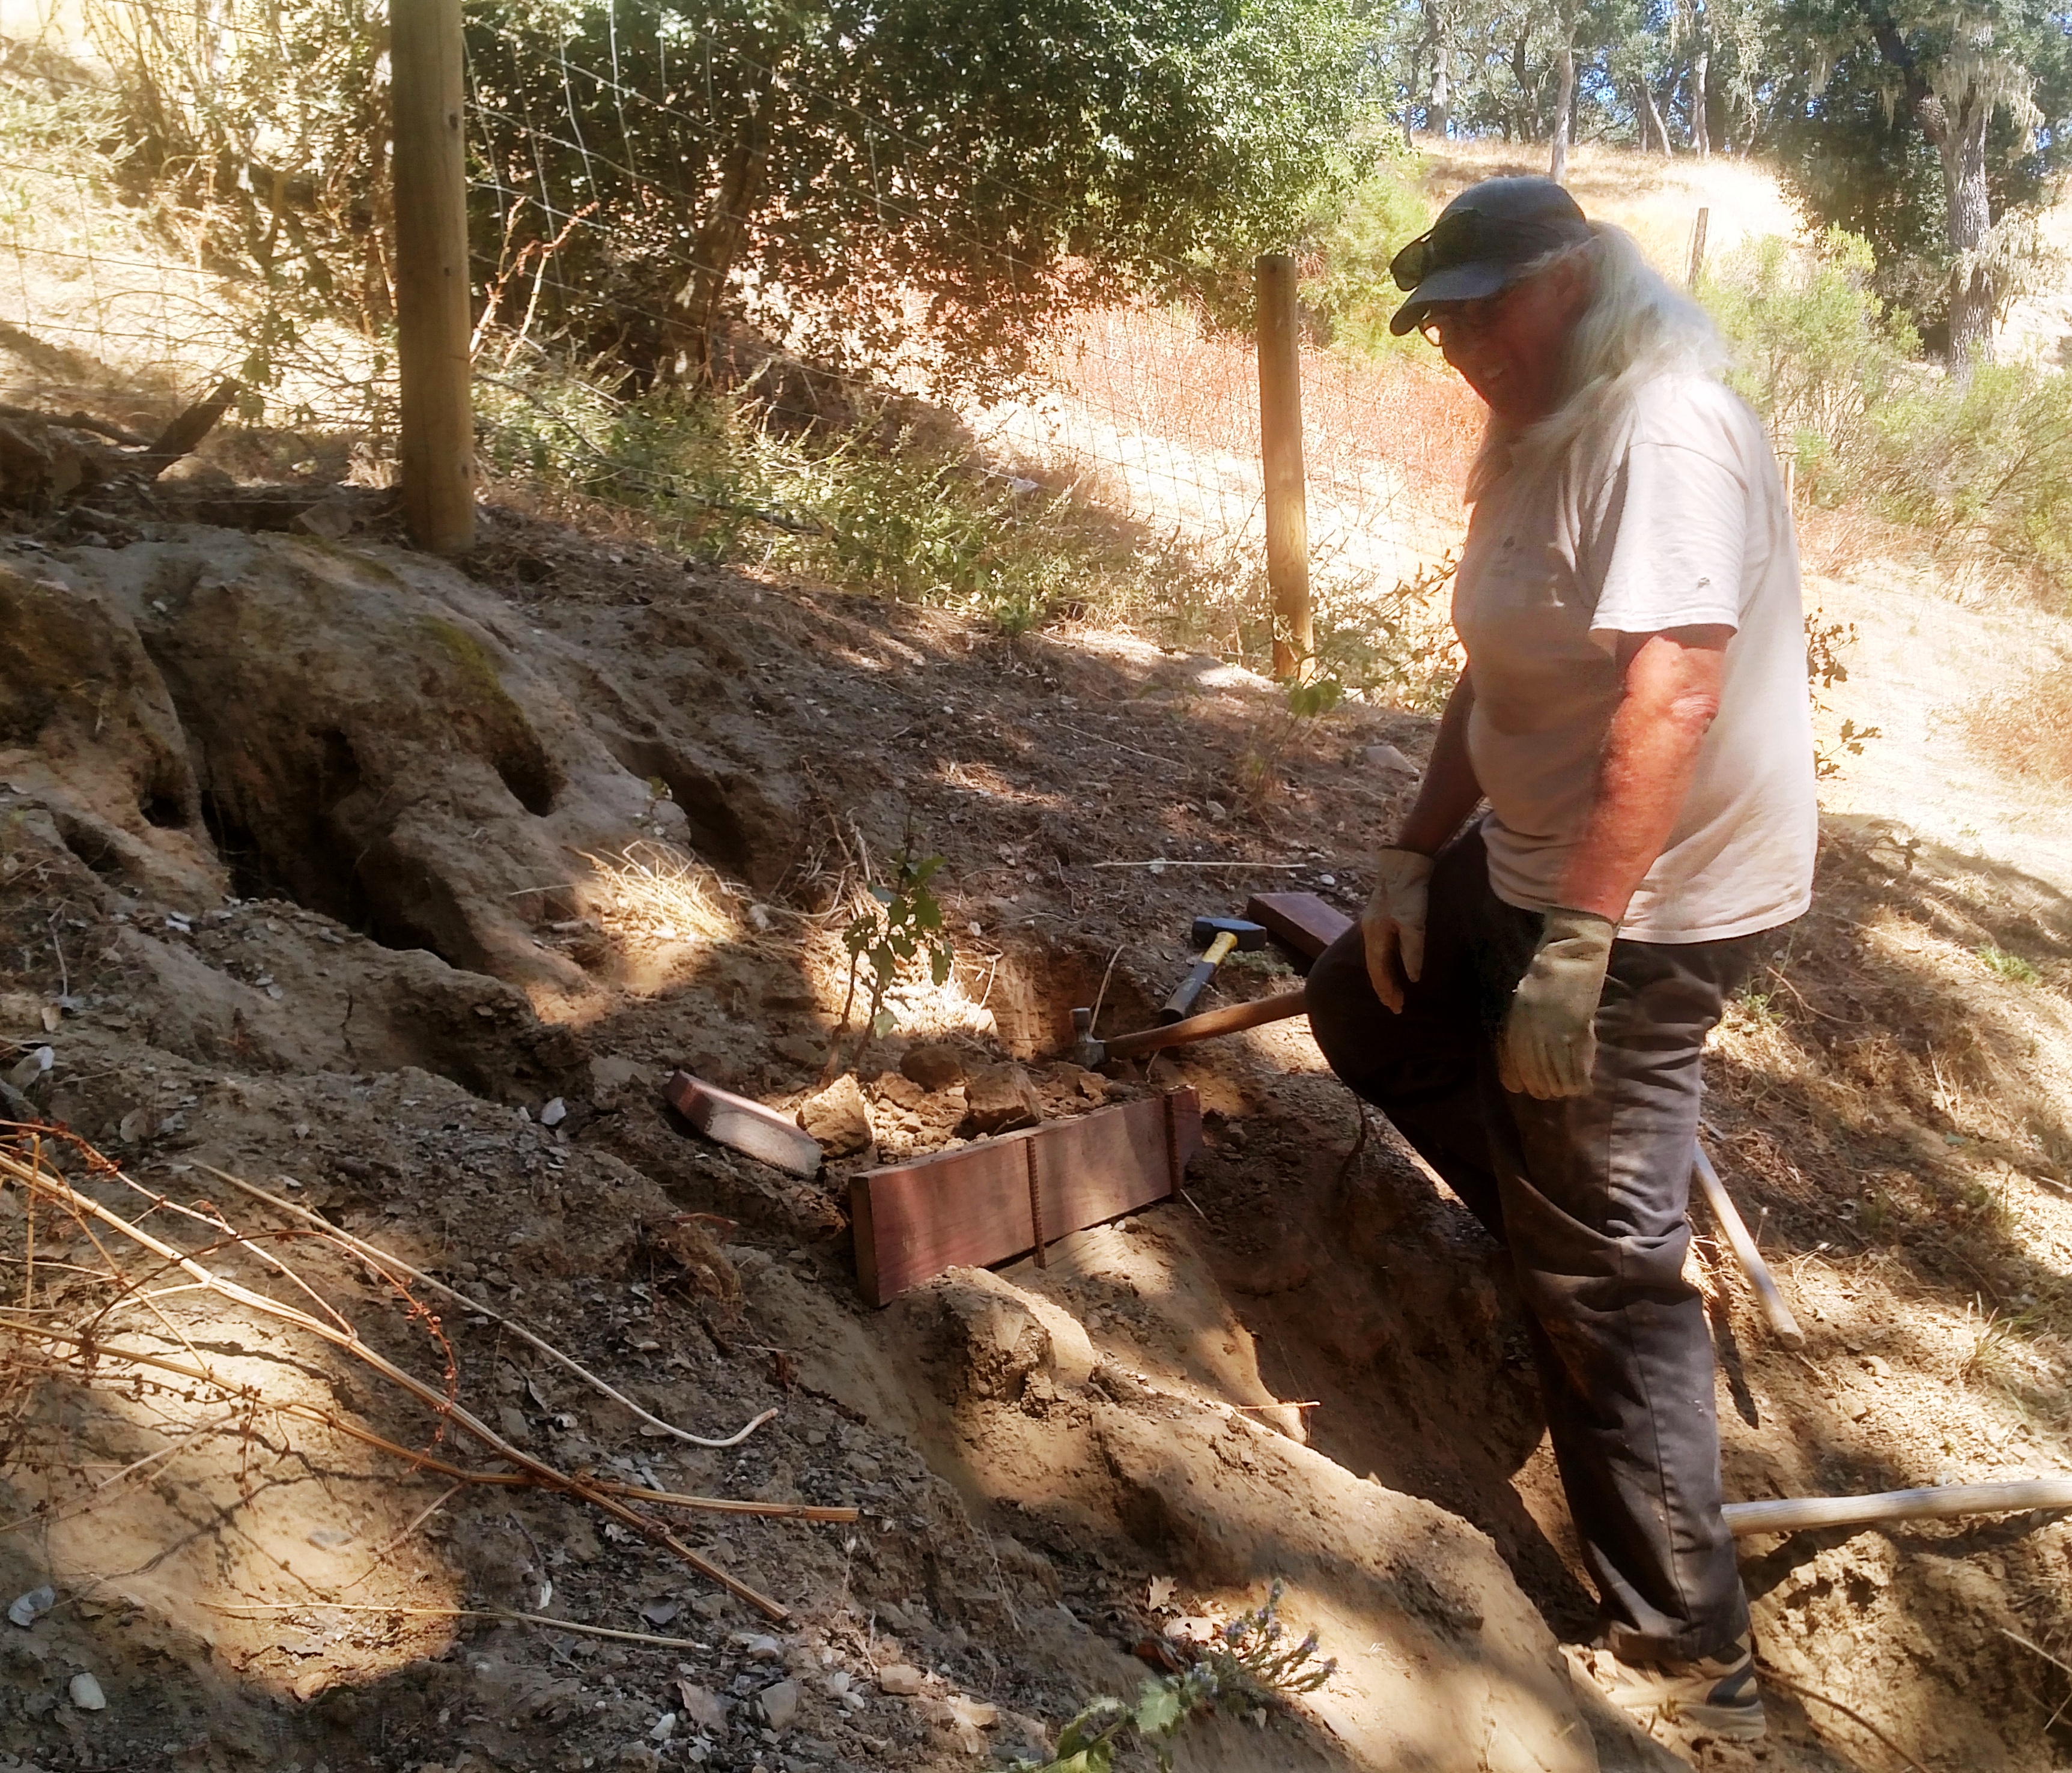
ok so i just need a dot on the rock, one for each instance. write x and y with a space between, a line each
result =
554 1113
780 1703
28 1608
1001 1098
86 1693
900 1679
701 1707
665 1727
838 1119
511 1420
933 1067
973 1712
993 1332
763 1649
1386 757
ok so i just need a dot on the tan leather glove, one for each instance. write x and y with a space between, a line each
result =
1549 1043
1392 926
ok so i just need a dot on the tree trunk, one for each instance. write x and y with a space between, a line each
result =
1661 129
726 230
1960 145
1701 140
1564 114
1439 113
1962 152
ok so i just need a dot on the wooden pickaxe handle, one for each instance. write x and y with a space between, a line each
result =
1207 1026
1781 1323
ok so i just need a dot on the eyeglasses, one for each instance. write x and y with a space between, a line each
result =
1462 321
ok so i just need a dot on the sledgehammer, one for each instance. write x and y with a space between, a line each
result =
1216 937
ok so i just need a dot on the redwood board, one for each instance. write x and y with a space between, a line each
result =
972 1206
1301 920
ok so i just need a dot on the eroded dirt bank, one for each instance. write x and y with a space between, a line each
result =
333 864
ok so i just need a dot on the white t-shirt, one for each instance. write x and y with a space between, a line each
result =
1668 513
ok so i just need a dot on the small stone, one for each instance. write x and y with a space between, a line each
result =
973 1712
1386 757
900 1679
515 1428
554 1113
665 1727
764 1649
701 1706
839 1118
933 1067
1001 1098
780 1703
28 1608
86 1693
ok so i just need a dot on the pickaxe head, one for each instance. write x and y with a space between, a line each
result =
1249 935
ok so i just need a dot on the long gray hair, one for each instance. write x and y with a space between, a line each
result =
1635 326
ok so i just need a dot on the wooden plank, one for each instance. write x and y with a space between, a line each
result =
972 1205
1301 920
761 1133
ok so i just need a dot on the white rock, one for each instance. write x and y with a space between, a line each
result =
665 1727
780 1703
554 1113
86 1693
900 1678
28 1608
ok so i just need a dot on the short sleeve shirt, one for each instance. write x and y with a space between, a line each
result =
1670 513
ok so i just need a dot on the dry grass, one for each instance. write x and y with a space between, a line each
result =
2029 732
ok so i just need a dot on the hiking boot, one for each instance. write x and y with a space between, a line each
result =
1709 1696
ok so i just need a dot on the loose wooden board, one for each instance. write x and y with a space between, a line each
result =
973 1206
746 1125
1305 922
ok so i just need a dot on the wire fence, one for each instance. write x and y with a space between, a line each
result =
1138 404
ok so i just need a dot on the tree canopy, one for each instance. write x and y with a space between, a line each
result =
851 174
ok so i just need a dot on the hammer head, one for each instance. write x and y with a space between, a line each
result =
1086 1050
1249 935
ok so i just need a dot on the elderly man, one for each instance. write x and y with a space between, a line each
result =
1528 992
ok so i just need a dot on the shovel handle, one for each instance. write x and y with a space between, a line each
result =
1207 1026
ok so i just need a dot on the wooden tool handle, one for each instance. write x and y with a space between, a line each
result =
1205 1027
1791 1514
1781 1323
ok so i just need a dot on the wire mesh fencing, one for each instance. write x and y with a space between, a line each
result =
240 230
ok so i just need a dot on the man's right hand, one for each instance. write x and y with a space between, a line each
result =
1392 926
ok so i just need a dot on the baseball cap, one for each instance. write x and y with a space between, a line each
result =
1482 242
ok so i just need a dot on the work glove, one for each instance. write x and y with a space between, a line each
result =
1549 1043
1392 926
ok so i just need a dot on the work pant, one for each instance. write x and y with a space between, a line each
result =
1587 1194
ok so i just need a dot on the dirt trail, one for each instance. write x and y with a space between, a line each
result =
324 862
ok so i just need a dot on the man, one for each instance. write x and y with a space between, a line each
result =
1527 998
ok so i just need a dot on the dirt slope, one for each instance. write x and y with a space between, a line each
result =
324 861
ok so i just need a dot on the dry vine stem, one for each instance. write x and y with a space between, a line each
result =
374 1253
39 1181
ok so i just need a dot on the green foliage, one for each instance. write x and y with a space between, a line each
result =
1351 293
2008 967
1985 459
900 926
1250 1660
896 172
1814 349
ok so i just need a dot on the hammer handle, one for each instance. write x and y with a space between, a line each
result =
1203 970
1205 1027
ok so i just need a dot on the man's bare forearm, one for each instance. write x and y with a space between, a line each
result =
1449 792
1672 693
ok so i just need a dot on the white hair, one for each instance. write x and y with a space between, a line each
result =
1634 327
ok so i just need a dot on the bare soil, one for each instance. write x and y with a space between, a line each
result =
400 889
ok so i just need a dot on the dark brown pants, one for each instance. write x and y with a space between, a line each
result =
1588 1196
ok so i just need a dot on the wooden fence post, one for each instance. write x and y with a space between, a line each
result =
1281 448
432 302
1698 250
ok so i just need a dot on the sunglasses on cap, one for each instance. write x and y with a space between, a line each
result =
1464 236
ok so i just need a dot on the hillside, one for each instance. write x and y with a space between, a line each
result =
399 888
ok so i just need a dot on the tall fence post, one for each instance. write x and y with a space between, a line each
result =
432 305
1698 250
1281 448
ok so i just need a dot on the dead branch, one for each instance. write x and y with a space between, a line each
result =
41 1182
372 1252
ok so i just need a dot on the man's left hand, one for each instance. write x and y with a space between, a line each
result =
1549 1045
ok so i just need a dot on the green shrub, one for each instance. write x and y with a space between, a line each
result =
1815 352
1351 290
1986 459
